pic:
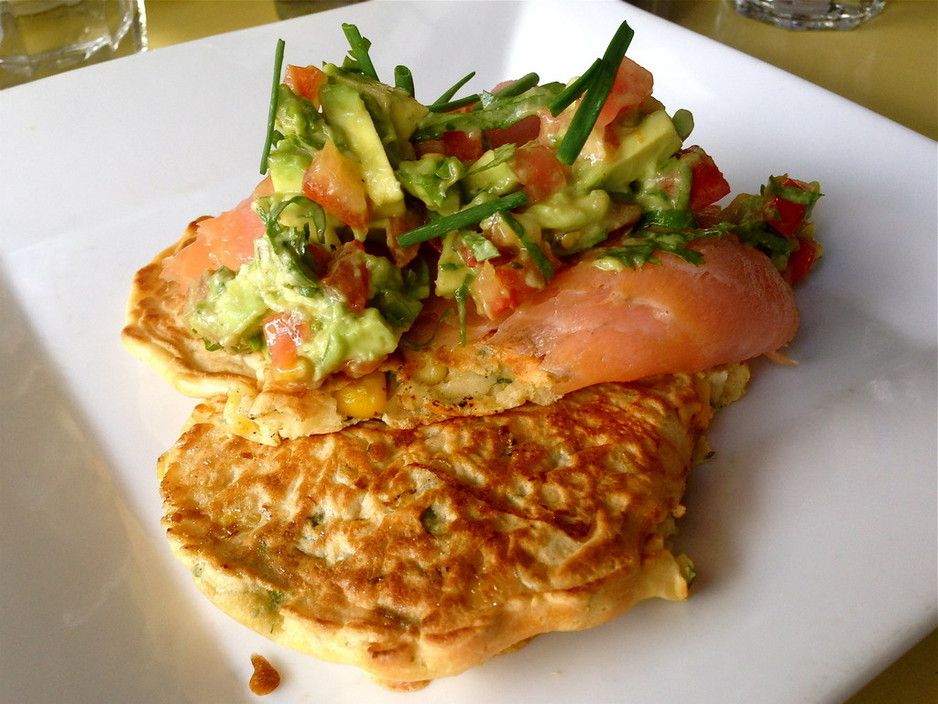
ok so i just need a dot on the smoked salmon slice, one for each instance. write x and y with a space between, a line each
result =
591 325
226 240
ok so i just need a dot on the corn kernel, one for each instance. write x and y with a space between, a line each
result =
431 373
299 371
363 398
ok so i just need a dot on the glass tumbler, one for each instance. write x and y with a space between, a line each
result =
42 37
811 14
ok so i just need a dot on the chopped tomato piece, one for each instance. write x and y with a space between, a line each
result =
284 333
347 275
498 289
801 260
784 215
305 81
335 182
462 145
708 184
522 132
398 225
632 85
538 170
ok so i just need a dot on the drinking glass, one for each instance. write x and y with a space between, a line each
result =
811 14
42 37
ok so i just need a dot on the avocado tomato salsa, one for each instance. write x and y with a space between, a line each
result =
376 201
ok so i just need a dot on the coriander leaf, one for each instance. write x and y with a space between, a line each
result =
532 248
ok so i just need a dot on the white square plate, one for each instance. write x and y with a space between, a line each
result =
813 530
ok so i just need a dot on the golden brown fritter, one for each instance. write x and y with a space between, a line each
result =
256 408
427 386
419 553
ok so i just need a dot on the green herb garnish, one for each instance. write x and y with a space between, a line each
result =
461 218
440 104
645 243
537 256
515 88
404 79
421 345
460 294
361 59
574 90
597 91
683 123
272 110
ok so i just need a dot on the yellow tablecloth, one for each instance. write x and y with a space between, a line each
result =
889 65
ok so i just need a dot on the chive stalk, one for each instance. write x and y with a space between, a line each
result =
447 96
404 79
272 110
528 80
596 93
461 218
453 104
574 90
359 50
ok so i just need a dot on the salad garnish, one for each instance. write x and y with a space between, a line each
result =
373 202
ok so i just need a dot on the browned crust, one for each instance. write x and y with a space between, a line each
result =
154 332
416 554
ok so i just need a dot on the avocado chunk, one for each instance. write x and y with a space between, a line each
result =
230 312
345 111
491 173
640 152
288 162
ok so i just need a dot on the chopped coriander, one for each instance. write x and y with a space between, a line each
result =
421 345
480 245
647 242
460 295
532 248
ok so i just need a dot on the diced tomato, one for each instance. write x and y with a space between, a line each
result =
708 184
284 333
521 132
538 170
347 275
464 146
305 81
497 290
335 182
801 260
783 215
632 85
398 225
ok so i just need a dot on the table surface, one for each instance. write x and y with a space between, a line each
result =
889 65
